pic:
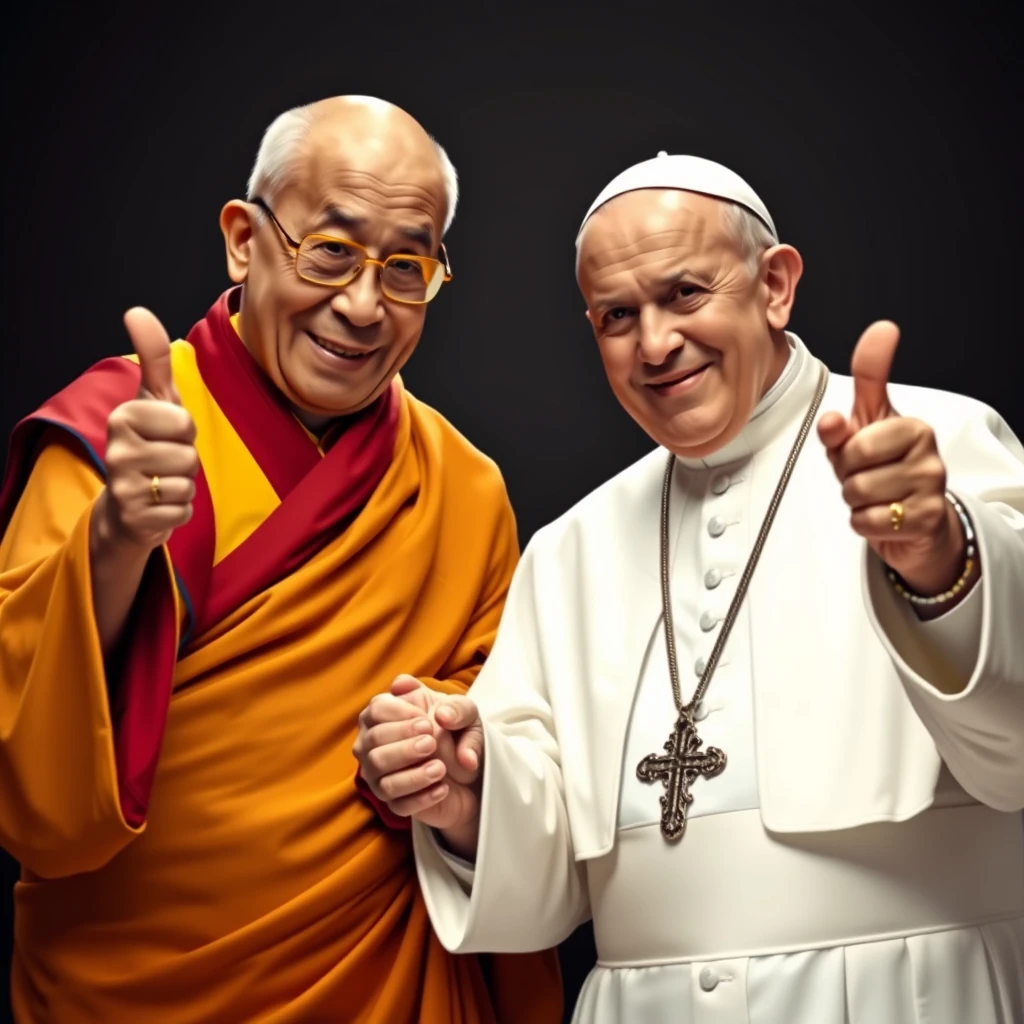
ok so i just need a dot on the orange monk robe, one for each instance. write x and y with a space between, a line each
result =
247 879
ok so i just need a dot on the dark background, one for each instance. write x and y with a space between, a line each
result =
885 143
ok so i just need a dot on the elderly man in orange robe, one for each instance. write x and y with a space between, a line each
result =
214 552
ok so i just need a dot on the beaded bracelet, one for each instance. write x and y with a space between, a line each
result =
969 562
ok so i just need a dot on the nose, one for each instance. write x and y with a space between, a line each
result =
360 302
660 335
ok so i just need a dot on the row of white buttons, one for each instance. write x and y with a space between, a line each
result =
712 578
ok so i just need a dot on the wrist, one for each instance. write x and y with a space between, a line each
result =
462 840
109 544
949 572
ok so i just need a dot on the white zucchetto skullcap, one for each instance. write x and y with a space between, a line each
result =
690 174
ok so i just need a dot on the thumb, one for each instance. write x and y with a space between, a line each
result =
455 713
469 750
153 347
870 368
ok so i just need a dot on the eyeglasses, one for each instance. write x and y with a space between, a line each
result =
336 262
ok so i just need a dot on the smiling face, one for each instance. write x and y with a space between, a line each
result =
367 173
690 331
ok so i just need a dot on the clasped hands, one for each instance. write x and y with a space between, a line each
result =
421 752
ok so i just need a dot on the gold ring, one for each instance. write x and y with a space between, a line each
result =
896 515
154 489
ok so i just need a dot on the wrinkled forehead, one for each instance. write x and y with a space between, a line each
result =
647 225
390 177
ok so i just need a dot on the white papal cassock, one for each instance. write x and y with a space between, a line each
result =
861 858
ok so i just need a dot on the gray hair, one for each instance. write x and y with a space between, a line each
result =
275 161
751 234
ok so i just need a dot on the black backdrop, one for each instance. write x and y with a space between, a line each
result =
885 143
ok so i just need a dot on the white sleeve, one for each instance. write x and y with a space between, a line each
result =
964 672
526 891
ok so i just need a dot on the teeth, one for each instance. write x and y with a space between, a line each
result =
335 351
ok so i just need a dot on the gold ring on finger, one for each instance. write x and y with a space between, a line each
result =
154 489
896 515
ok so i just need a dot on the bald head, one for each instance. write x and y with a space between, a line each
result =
357 134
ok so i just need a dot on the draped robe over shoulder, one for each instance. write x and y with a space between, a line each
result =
193 844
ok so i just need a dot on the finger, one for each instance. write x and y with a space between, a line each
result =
469 749
921 518
386 708
409 781
154 458
871 367
404 684
174 490
878 486
410 807
154 420
456 712
412 691
877 444
389 758
395 732
153 347
157 520
834 430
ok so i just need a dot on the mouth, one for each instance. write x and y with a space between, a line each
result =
680 382
340 349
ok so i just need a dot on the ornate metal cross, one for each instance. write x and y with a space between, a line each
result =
678 767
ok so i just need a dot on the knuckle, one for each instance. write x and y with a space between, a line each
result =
935 509
923 430
117 455
853 490
120 488
183 424
934 469
119 418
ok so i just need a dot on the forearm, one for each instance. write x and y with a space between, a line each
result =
527 891
116 569
964 672
462 841
59 796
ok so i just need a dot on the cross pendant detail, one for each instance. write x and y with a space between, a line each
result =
677 768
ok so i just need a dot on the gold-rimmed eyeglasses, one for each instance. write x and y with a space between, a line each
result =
335 262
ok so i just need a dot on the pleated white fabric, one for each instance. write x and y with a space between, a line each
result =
963 976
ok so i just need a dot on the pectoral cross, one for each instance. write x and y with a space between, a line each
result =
677 768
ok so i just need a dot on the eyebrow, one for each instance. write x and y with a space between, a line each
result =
659 284
334 216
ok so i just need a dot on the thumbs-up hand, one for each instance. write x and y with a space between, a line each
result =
893 478
151 456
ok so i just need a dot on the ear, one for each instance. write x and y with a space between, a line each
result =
781 270
237 224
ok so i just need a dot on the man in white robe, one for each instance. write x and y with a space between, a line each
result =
859 856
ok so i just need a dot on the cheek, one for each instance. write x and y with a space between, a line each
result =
405 329
617 358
